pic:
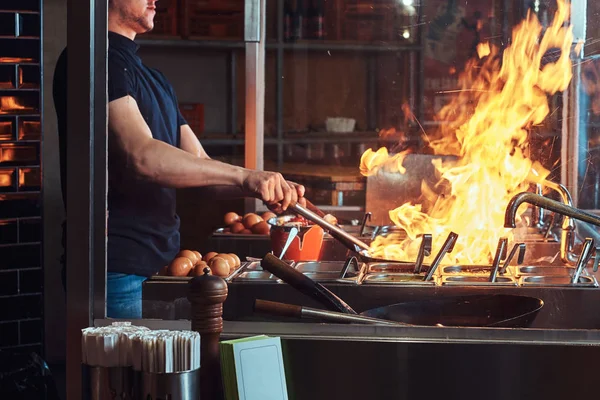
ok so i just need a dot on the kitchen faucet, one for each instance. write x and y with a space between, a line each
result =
567 233
548 204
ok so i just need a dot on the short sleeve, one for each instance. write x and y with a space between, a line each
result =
120 78
180 120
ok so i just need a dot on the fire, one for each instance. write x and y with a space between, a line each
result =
502 95
9 103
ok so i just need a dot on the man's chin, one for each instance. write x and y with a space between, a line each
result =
146 29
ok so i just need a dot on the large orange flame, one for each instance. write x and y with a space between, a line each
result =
485 126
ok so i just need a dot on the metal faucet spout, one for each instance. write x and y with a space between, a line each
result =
548 204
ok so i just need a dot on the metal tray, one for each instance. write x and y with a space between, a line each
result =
401 268
398 279
546 271
467 270
475 280
562 281
327 277
320 266
256 276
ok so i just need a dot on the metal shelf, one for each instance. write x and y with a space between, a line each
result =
303 45
348 46
19 90
325 137
5 37
19 12
186 44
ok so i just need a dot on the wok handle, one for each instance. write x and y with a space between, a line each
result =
347 240
314 208
275 308
304 284
291 310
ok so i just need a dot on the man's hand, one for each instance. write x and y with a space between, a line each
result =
273 189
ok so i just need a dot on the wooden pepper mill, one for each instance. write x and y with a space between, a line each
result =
207 293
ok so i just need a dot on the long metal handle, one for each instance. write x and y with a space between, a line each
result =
521 248
446 248
347 239
424 250
295 311
304 284
500 255
586 254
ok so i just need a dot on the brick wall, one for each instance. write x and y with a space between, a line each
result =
21 276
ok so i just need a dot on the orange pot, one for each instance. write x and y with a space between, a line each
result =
305 247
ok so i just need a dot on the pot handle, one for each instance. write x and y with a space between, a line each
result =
291 310
275 308
304 284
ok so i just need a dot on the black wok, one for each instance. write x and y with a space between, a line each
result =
494 310
506 311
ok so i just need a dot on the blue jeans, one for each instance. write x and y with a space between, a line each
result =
124 295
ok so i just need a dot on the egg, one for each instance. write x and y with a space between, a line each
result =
198 270
209 256
230 218
237 227
246 232
189 254
230 260
236 259
219 266
180 266
268 215
198 256
261 228
251 219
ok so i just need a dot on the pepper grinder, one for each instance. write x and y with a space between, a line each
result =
207 293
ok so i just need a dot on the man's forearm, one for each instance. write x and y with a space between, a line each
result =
224 192
173 167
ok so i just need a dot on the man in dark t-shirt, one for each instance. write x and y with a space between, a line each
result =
152 152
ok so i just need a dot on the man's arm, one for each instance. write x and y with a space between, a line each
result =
190 143
169 166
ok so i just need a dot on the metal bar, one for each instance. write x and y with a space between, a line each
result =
255 93
372 92
232 92
186 44
420 112
100 156
323 46
279 63
86 114
570 150
333 46
332 229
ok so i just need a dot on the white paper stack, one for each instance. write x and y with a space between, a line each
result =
169 351
109 346
125 345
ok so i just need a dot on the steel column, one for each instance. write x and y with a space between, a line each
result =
255 37
570 149
86 177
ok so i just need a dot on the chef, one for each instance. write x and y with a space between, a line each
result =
152 152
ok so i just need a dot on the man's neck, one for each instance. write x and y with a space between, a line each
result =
114 26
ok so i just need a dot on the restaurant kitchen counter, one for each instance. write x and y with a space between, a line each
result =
335 361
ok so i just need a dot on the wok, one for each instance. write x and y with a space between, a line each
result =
496 310
506 311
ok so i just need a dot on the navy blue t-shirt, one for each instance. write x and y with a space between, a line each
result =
143 226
